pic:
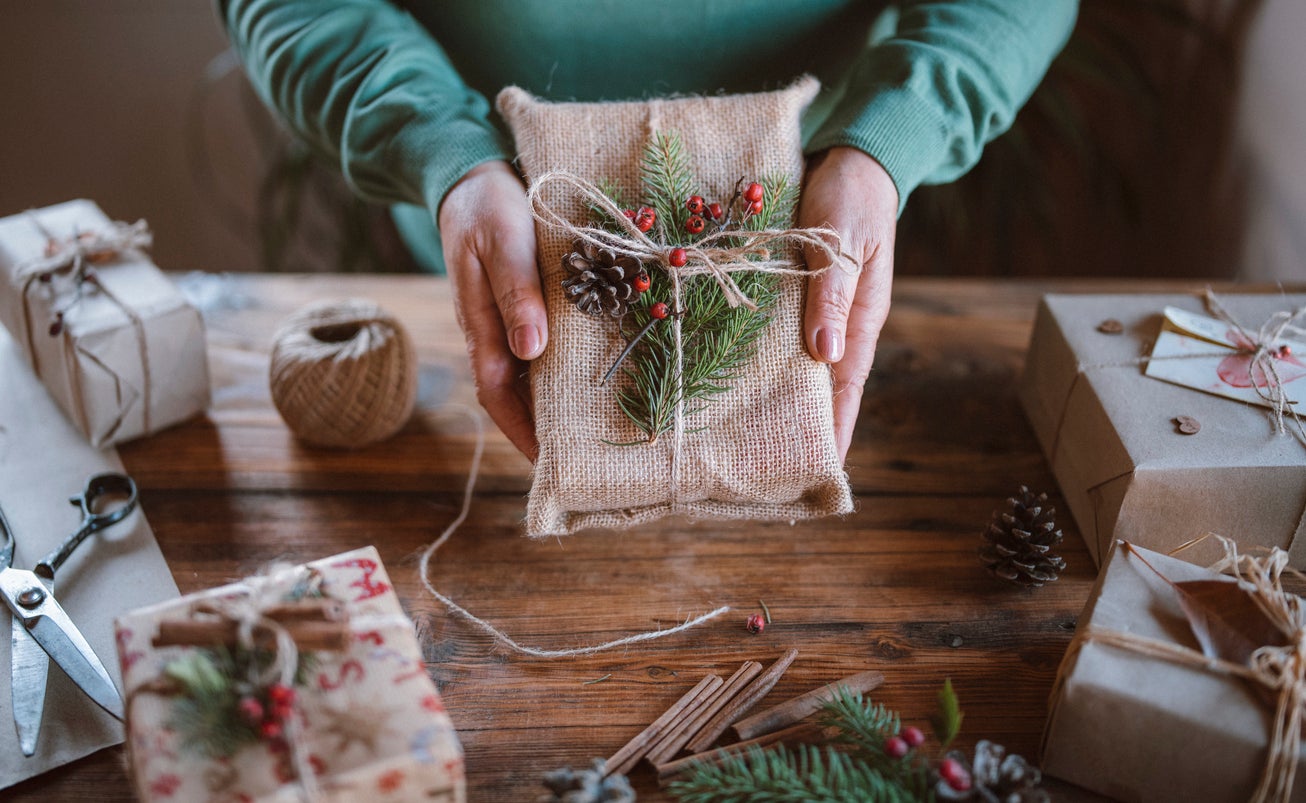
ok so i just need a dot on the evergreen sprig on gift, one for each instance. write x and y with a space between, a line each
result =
716 340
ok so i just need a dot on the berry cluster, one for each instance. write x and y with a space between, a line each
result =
267 716
750 201
951 771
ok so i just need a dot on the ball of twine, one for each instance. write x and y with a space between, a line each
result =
343 373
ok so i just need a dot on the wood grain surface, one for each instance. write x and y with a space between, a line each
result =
894 587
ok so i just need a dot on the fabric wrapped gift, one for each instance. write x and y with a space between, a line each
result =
1139 713
761 448
110 337
357 719
1125 466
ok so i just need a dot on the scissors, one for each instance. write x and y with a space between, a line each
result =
41 629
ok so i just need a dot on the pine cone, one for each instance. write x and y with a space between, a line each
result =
995 778
596 280
1020 542
587 786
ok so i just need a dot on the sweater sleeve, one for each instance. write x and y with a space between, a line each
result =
364 85
924 99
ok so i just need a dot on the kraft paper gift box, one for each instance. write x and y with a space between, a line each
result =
1109 430
371 725
127 357
1137 727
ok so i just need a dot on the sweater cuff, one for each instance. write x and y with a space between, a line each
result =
433 157
897 128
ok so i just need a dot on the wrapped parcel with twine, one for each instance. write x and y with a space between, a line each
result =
638 413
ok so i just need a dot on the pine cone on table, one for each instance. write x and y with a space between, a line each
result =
587 786
995 777
1020 541
599 281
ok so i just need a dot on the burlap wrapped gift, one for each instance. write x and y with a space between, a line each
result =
1124 467
1137 715
763 450
372 726
127 355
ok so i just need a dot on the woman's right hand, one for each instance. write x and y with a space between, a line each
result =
489 252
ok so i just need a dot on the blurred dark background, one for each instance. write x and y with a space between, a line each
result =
1167 140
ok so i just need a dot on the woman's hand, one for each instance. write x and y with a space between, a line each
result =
489 251
851 193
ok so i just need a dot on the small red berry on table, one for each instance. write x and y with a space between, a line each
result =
756 623
641 282
754 193
695 205
677 258
659 310
716 211
695 225
896 747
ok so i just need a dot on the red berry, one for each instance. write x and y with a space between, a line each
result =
695 225
629 213
756 623
695 205
1285 351
645 218
677 258
754 192
56 327
250 710
641 281
270 729
913 736
281 694
659 310
755 207
896 747
954 774
716 211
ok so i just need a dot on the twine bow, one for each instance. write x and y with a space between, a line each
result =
719 255
1263 351
1281 670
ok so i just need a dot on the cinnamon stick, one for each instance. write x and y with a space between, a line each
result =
795 733
692 722
624 759
803 706
308 635
742 703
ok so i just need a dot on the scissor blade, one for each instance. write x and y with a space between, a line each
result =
28 669
68 648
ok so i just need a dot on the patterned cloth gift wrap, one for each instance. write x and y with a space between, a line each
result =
305 682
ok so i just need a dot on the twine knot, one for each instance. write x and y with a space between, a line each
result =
71 253
1263 350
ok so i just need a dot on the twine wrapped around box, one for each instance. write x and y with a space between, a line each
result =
763 450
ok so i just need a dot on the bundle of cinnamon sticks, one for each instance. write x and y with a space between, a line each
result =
703 714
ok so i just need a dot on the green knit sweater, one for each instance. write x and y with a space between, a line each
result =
396 94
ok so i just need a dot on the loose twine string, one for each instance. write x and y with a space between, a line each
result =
66 256
719 255
424 570
1279 669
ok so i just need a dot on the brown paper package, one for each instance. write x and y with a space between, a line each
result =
1124 468
1137 728
766 450
112 386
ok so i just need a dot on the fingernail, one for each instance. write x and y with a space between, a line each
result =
525 341
829 344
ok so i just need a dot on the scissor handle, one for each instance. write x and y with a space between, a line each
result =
6 549
93 520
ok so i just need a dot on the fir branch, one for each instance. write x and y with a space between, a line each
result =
781 775
860 723
668 181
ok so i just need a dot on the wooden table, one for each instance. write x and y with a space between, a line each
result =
895 586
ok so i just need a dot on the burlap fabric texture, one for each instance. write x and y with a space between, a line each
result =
763 450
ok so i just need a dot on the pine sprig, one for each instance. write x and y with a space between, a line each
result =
806 773
716 340
947 722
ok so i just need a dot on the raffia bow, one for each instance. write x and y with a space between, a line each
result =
1281 670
